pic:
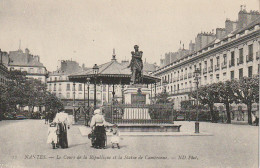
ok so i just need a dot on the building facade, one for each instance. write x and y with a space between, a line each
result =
71 94
3 71
232 57
24 61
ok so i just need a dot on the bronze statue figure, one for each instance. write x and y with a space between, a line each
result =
136 66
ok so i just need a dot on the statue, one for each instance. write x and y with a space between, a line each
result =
136 66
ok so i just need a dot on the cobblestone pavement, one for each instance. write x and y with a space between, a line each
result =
23 144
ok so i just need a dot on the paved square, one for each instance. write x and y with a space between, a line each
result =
23 144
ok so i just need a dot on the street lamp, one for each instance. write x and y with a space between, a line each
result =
87 113
95 72
197 73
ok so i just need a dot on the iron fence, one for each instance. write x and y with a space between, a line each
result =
139 114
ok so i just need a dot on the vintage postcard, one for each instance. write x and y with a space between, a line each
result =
129 84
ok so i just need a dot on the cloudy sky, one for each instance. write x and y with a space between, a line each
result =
88 30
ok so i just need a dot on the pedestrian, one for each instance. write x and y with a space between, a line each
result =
115 136
98 126
52 135
46 117
63 121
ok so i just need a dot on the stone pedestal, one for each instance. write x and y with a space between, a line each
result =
137 95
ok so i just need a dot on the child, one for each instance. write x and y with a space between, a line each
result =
52 135
115 137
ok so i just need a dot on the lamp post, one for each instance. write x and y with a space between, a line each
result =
197 73
88 110
95 72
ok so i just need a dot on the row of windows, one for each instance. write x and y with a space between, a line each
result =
183 73
186 88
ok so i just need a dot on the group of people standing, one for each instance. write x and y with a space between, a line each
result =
57 132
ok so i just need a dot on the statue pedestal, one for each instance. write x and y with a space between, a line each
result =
137 95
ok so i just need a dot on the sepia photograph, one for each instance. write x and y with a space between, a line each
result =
129 83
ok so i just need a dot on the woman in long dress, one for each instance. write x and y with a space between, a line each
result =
98 124
63 121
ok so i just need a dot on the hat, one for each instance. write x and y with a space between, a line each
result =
97 111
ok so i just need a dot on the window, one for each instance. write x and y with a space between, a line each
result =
232 63
211 63
55 78
241 56
54 89
68 87
250 53
68 95
224 75
225 59
217 77
217 61
80 87
240 73
250 71
59 95
232 75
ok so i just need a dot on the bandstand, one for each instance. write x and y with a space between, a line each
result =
134 110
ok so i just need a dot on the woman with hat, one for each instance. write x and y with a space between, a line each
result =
98 124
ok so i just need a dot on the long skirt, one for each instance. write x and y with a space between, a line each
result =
62 135
100 136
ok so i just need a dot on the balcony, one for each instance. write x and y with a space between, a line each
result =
231 63
249 58
217 67
223 65
210 69
240 61
204 70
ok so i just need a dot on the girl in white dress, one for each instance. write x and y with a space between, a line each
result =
52 135
115 137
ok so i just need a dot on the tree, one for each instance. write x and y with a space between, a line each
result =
207 95
163 98
226 96
52 102
246 90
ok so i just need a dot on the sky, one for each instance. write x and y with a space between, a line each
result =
87 30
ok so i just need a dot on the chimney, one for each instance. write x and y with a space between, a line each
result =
113 55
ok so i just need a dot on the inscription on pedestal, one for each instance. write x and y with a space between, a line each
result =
138 99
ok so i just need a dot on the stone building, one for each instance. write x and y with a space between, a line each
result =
58 83
25 61
233 56
3 69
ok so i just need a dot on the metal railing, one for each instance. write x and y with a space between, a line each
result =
139 113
